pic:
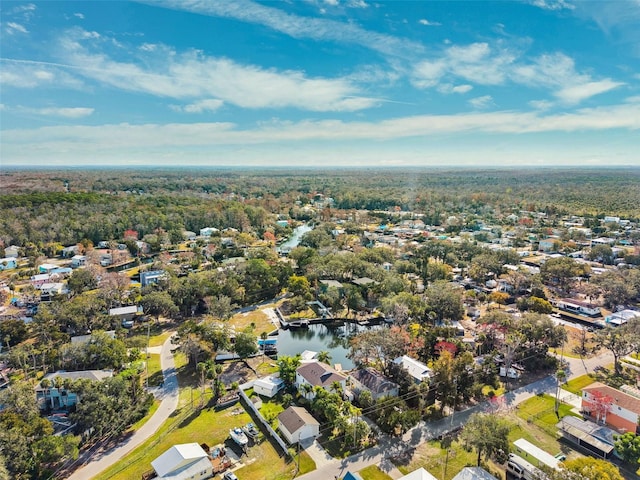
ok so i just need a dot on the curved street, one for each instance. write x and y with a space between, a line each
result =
94 463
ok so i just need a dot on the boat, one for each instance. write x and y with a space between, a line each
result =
298 324
251 430
238 436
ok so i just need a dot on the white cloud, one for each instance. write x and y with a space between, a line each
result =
209 105
189 75
65 112
462 88
624 116
13 27
480 103
30 74
79 15
540 104
481 64
552 4
577 93
428 23
301 27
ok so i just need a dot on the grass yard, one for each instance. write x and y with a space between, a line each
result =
576 385
434 459
372 472
256 318
153 370
205 426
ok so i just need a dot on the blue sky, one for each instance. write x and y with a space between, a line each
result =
320 83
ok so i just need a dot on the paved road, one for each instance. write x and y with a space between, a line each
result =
391 447
95 464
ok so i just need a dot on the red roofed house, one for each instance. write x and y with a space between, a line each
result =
607 405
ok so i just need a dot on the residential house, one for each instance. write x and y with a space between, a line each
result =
325 284
8 263
297 425
49 290
46 267
38 280
12 251
474 473
418 370
81 339
316 374
187 461
373 381
78 261
68 252
56 396
208 231
578 307
620 318
151 277
125 313
612 407
268 386
419 474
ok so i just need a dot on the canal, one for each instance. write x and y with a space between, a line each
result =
294 239
334 338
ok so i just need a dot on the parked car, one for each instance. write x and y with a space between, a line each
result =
230 476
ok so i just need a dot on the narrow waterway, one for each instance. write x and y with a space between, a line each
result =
294 239
334 338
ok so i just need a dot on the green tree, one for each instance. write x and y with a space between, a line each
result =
246 344
158 304
81 280
628 447
445 301
488 435
324 356
287 366
620 341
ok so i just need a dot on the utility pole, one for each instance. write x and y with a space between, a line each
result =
146 363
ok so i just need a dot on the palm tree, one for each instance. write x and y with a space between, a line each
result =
306 389
324 356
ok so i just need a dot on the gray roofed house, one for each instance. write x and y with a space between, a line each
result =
364 281
297 425
373 381
318 374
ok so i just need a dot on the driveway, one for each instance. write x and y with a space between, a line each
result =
93 463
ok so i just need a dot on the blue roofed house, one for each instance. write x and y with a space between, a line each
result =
8 263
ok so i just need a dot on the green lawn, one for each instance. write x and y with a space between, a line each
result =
205 426
372 472
435 460
576 385
154 371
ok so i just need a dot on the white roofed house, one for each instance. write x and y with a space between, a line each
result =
187 461
418 370
125 313
268 386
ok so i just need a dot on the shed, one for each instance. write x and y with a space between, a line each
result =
595 438
268 386
474 473
186 461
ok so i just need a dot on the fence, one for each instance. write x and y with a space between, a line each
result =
258 416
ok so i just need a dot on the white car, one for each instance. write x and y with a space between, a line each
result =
230 476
